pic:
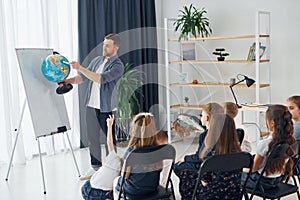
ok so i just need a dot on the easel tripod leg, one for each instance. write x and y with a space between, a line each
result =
15 144
73 153
41 165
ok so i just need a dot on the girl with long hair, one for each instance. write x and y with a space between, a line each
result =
142 134
279 122
221 139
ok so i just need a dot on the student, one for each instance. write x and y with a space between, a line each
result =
221 139
232 110
191 161
293 104
279 122
101 184
142 134
162 139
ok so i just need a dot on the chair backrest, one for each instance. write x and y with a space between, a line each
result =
240 133
278 152
226 163
148 156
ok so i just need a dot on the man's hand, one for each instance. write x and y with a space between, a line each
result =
75 65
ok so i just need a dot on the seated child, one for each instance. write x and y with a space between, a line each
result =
101 184
232 110
192 161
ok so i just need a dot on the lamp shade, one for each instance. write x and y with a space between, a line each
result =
249 81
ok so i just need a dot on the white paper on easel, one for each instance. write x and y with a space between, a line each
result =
48 110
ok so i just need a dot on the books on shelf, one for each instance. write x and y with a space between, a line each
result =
251 54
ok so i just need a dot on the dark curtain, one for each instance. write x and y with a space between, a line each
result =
135 21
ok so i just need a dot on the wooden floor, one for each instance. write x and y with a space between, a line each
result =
61 177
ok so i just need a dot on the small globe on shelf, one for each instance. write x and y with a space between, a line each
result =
56 68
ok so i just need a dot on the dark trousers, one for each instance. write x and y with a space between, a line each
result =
186 166
96 138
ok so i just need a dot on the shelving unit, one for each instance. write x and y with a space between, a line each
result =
180 64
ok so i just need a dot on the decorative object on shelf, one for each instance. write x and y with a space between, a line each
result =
192 21
185 123
232 81
195 81
188 51
251 54
249 82
220 52
186 101
127 89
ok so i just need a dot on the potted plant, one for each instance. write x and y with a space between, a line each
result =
186 101
220 52
192 21
127 89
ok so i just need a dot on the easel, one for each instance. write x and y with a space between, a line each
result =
62 129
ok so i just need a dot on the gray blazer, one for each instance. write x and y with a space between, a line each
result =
112 72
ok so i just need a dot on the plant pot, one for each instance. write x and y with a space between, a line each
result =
221 58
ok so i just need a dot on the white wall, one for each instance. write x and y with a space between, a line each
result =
232 17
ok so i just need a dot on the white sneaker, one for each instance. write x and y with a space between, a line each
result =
88 174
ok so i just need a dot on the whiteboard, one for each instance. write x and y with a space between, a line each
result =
48 110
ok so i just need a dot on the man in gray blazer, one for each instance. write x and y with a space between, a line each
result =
103 72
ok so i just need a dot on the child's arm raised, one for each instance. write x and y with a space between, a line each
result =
110 122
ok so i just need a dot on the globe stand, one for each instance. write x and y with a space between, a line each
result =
64 89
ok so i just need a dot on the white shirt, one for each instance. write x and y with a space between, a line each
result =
105 175
94 101
262 149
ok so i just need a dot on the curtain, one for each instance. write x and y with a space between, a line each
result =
33 24
135 21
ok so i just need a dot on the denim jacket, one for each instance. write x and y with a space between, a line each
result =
112 72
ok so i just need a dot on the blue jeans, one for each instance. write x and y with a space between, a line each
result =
89 193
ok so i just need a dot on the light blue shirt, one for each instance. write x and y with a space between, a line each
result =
297 130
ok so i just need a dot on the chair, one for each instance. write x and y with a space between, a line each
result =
240 133
226 163
148 156
283 188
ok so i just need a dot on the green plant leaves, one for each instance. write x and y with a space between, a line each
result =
129 86
192 20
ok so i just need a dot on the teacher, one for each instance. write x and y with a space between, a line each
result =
103 73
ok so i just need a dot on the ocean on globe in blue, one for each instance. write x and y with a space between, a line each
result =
56 68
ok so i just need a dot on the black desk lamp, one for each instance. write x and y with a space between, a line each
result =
249 82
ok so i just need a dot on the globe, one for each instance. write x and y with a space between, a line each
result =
56 68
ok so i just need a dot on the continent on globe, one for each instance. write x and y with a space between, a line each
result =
56 68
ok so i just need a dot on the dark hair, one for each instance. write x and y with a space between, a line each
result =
114 37
221 136
162 136
295 99
283 133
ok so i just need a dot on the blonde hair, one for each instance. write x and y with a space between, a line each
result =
231 109
213 108
221 137
143 131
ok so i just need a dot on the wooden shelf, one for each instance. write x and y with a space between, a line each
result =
215 62
249 107
196 131
189 107
220 38
214 84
